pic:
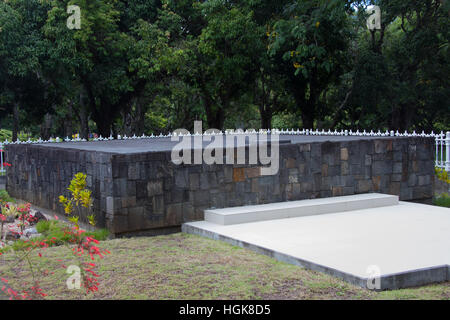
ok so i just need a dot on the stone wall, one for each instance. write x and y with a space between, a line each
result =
40 174
143 192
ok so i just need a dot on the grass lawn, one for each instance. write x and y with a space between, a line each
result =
181 266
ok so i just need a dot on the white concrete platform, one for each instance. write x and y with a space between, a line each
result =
291 209
408 244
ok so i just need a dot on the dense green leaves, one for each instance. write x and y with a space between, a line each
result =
155 65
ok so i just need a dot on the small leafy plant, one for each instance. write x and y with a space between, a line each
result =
80 199
5 197
442 175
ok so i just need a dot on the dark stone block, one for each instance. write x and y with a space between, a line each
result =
201 198
174 215
158 204
154 187
179 195
381 167
141 189
131 188
228 173
194 181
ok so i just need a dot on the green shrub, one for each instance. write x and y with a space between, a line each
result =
5 197
54 229
442 175
442 201
5 135
99 234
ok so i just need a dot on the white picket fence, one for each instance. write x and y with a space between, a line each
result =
443 151
442 159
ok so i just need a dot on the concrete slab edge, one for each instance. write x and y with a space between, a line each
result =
412 278
264 212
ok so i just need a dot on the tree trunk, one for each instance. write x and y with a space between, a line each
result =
306 108
308 120
140 121
15 132
84 127
266 118
68 127
104 124
215 118
265 109
46 126
133 119
127 123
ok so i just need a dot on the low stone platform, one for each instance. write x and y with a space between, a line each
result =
403 245
300 208
138 190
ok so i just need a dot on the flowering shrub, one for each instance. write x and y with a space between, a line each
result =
84 247
23 214
2 221
7 210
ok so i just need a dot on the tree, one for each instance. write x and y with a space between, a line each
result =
222 60
401 76
310 43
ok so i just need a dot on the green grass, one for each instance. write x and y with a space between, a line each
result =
181 266
53 229
443 200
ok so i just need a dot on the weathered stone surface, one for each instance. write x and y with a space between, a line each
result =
337 191
344 154
290 163
158 204
376 183
363 186
253 172
344 168
324 170
238 174
154 188
194 181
